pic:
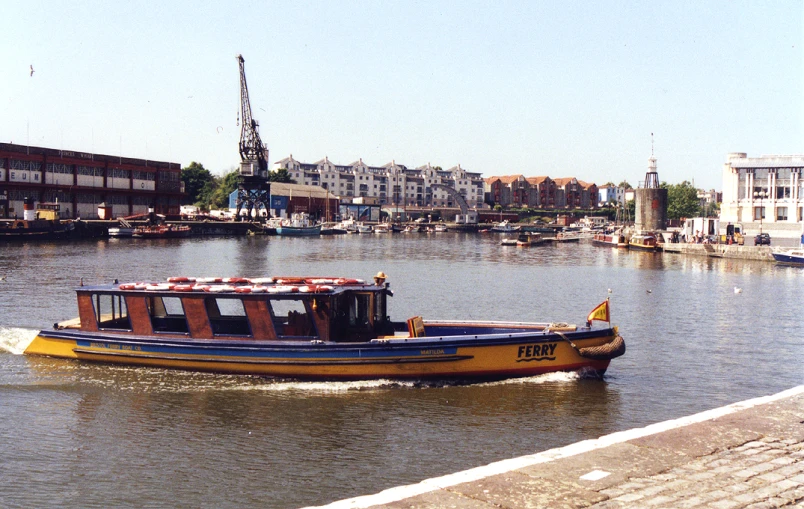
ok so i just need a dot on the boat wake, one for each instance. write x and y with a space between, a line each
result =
382 384
330 387
15 340
557 377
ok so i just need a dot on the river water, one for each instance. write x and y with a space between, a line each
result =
81 435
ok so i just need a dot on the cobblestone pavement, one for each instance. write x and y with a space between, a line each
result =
746 455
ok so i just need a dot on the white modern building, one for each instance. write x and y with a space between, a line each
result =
764 193
391 184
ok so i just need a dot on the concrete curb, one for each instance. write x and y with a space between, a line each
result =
509 466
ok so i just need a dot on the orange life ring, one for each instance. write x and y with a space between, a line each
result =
126 286
289 280
345 281
183 288
243 289
180 279
316 289
235 280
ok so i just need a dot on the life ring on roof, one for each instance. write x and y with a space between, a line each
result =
320 281
316 289
346 281
209 280
219 288
200 288
184 288
127 286
180 279
283 289
244 289
261 280
159 287
289 280
235 280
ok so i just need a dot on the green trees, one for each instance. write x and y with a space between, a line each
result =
195 178
682 200
206 191
280 175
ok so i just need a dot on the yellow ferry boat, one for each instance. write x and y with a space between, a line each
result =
311 328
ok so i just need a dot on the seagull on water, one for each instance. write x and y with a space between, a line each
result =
738 290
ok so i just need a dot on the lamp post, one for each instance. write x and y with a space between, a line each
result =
761 195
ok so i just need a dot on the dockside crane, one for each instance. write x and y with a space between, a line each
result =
253 186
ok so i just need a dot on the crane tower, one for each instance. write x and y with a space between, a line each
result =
253 186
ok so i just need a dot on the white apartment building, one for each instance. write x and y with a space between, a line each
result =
391 184
764 192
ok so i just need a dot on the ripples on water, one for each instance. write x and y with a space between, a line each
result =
90 435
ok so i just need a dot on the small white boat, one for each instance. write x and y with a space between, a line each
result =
121 232
790 255
566 236
382 228
504 227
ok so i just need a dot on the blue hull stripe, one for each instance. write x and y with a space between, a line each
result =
422 347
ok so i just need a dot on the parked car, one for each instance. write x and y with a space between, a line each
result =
763 239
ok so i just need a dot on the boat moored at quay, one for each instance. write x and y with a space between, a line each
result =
312 328
643 242
614 238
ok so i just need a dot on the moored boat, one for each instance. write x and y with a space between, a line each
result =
120 231
610 239
35 229
643 242
504 227
299 225
568 236
161 231
529 239
789 256
311 328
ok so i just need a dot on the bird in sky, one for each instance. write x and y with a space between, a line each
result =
32 71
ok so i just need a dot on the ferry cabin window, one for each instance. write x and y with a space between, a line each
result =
227 317
359 306
291 319
111 311
167 314
379 308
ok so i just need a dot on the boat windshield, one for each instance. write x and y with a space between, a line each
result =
359 316
111 311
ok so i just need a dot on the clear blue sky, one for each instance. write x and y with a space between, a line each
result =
538 88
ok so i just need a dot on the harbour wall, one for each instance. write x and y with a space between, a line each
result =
760 253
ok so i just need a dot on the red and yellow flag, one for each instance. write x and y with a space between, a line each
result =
601 313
